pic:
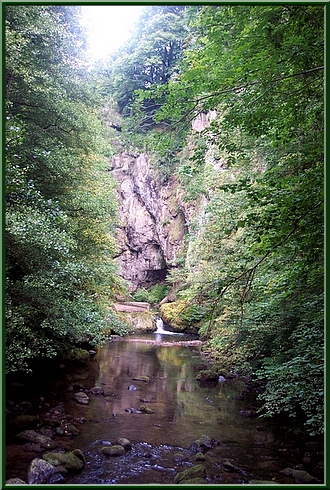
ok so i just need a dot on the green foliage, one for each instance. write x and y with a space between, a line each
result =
255 254
182 316
153 296
60 205
148 58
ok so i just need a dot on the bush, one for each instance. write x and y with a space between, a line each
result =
153 296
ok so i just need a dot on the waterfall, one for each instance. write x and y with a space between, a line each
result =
161 329
160 325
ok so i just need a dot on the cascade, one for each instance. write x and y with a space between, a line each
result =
160 327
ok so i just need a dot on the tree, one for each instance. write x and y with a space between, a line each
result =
60 207
258 260
149 57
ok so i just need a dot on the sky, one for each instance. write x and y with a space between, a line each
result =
108 27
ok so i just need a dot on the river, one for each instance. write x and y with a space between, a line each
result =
158 371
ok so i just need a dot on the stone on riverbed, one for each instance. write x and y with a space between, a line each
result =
97 390
228 466
33 436
116 450
40 471
192 473
202 444
146 379
145 409
81 397
70 461
122 441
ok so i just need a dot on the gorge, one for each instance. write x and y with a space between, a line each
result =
182 180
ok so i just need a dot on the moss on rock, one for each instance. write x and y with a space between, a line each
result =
182 316
197 471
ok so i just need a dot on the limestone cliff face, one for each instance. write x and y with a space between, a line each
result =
152 221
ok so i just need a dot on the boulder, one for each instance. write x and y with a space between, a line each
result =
207 375
79 453
200 457
192 473
68 460
116 450
42 472
45 431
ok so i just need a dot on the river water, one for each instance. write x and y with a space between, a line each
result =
158 371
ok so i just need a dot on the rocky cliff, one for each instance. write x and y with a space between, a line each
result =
150 237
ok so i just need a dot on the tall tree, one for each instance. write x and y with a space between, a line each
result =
149 57
60 210
258 260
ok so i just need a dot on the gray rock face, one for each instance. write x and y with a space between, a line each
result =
42 472
153 224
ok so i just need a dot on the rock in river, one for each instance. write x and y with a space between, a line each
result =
202 444
97 391
70 461
116 450
122 441
192 473
81 397
42 472
34 437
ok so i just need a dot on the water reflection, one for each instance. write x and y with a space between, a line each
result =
183 410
